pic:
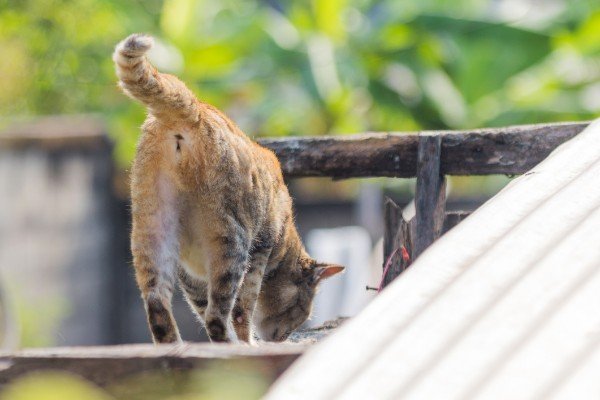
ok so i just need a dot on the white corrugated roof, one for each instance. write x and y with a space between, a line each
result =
504 306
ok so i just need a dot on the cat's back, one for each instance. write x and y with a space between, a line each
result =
244 156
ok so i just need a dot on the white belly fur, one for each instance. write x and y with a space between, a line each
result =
192 251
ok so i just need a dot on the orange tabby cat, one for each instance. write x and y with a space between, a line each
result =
210 208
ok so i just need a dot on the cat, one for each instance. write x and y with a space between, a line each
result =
210 210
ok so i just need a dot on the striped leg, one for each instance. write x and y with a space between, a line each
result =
156 281
155 250
195 292
227 266
160 318
246 300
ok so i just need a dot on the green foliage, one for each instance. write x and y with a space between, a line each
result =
52 386
217 381
34 320
285 67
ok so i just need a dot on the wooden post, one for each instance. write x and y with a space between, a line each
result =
430 199
397 234
392 215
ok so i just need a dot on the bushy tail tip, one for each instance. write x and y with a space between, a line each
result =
163 94
135 45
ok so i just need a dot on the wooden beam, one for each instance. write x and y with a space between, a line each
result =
106 365
430 197
510 150
374 154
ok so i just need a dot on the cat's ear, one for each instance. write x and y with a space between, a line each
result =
324 271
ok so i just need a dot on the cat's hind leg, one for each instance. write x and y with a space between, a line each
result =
154 245
229 255
157 285
248 294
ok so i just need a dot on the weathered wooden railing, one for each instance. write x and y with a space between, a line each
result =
428 156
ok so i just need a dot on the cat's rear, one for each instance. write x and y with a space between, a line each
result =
210 208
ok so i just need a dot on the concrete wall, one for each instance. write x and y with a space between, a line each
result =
55 229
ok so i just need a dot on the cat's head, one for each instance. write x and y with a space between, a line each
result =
286 298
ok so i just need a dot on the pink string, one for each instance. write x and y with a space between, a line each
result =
388 264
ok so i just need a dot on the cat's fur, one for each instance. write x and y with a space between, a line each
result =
211 210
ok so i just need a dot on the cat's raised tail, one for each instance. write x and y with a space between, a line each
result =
163 94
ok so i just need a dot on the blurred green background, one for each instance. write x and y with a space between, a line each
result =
234 380
281 67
